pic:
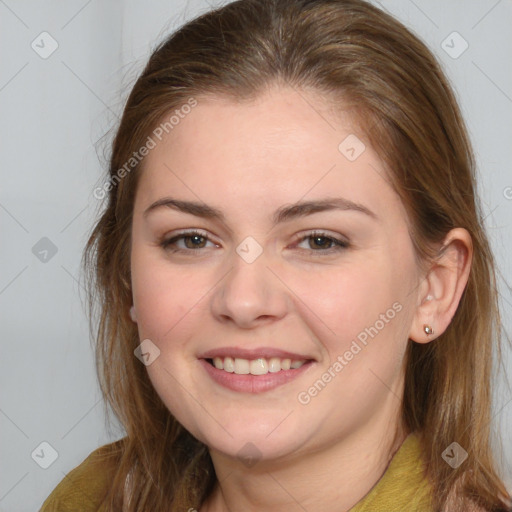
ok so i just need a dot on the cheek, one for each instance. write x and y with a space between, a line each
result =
360 314
172 302
162 295
348 298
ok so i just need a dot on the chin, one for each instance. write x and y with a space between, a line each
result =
267 439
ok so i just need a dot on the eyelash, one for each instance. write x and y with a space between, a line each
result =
339 245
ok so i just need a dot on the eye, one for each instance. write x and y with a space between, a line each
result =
193 240
321 242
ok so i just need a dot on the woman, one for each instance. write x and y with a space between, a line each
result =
298 300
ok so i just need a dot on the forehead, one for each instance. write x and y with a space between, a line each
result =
280 147
281 124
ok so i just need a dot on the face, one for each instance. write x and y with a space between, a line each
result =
262 280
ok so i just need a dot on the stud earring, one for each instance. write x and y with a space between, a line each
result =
428 330
133 316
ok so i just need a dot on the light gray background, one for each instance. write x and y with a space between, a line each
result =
54 113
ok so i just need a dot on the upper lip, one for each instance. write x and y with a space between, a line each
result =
254 353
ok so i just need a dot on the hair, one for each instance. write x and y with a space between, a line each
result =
362 59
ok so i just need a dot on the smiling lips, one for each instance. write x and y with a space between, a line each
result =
260 366
253 370
260 361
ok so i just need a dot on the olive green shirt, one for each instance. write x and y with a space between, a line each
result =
402 488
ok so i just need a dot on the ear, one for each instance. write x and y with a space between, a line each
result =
133 316
441 289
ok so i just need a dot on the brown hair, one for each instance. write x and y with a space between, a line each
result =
357 55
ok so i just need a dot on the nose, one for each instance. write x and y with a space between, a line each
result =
250 294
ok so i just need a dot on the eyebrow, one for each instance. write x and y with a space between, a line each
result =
283 214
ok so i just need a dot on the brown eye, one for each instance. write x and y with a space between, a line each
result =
192 241
196 241
321 243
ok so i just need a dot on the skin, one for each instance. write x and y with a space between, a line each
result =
249 159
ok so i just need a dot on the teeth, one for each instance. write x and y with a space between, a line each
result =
274 365
229 364
242 366
260 366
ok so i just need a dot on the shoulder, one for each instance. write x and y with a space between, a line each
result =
85 486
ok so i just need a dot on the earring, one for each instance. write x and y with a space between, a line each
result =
428 330
132 314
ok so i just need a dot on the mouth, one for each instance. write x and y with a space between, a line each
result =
254 375
259 366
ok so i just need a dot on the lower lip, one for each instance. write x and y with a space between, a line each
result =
253 383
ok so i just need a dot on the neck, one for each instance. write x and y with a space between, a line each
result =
333 479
